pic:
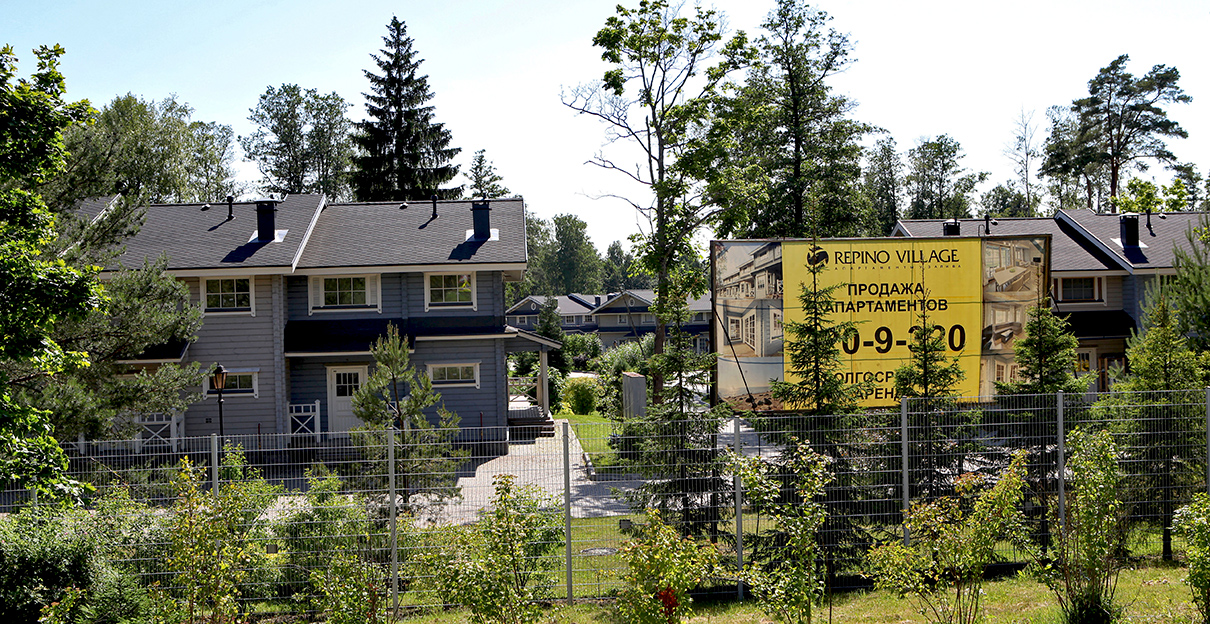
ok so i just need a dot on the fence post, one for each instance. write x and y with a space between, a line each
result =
903 442
1061 472
739 514
214 461
1208 439
567 503
393 523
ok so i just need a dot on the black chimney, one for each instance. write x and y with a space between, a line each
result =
434 198
266 222
481 215
1128 224
230 207
952 227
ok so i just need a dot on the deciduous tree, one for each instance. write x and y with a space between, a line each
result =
404 153
301 143
36 292
937 185
883 186
575 265
650 98
785 122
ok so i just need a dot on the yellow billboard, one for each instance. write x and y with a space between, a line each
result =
976 290
882 285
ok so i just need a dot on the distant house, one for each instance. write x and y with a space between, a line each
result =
294 291
614 317
1100 267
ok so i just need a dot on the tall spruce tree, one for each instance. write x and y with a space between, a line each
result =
404 153
1160 402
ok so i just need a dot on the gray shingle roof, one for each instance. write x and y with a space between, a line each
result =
1161 239
197 239
567 305
1070 251
383 234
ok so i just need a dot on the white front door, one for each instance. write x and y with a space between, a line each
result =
343 381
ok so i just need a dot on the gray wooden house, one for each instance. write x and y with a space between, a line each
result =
294 291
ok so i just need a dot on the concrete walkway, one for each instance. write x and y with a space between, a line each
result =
540 463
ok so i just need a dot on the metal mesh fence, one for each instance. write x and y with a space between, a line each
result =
298 506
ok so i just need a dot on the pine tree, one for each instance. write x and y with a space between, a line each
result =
813 349
1046 356
393 401
405 154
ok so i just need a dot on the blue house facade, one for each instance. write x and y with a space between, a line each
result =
291 314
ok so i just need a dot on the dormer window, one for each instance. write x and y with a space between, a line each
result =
345 292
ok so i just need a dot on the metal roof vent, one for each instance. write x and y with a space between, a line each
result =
951 227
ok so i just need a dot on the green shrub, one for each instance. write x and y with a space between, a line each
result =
953 539
661 568
500 566
1193 523
581 349
580 394
50 555
351 591
1084 571
789 587
329 521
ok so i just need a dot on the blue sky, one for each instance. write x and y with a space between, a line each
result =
496 68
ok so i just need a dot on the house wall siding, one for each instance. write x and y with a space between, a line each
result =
237 341
298 300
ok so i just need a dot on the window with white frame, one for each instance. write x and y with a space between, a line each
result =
457 374
345 292
443 290
1074 289
776 329
1084 358
239 383
750 330
569 320
649 319
227 294
733 329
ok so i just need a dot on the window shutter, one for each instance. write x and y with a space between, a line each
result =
317 292
372 291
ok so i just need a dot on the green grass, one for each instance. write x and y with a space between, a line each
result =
1153 595
592 430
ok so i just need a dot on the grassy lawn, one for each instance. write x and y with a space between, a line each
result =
592 430
1153 595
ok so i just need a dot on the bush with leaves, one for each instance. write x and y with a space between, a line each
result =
626 357
661 568
953 541
1193 524
1084 572
328 520
581 349
500 566
54 554
580 394
789 587
350 590
212 547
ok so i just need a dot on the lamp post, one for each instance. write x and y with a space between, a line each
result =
219 381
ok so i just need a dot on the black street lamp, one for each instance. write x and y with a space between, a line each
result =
219 381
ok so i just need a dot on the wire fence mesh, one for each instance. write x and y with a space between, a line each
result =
296 505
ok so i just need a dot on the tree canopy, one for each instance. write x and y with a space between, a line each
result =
37 292
301 142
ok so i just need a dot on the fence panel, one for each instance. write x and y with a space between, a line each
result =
300 505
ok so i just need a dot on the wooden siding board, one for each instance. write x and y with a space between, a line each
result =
237 341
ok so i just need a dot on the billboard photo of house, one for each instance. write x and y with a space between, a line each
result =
748 293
